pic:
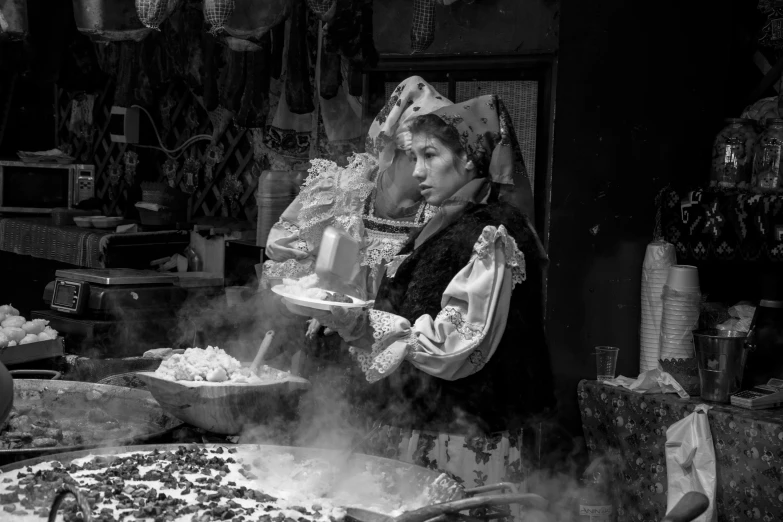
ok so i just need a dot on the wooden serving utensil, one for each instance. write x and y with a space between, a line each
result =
690 506
265 344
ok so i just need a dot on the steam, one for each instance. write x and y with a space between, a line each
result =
325 415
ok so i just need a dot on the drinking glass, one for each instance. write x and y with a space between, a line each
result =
606 362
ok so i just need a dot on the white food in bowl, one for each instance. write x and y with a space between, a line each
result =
8 310
14 334
35 327
212 364
3 339
48 334
15 321
29 338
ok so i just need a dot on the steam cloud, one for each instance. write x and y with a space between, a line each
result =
554 462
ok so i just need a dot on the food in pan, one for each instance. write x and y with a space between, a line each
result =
213 365
41 427
16 330
197 483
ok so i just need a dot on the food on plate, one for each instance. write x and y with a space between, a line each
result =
308 287
16 330
304 287
198 483
337 297
213 364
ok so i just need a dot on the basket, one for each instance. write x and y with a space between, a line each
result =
685 372
155 193
153 196
164 216
63 217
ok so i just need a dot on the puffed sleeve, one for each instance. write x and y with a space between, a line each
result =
283 242
466 332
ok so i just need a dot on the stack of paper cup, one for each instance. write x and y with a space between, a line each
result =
659 257
681 304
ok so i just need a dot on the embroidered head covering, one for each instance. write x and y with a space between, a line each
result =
487 134
412 97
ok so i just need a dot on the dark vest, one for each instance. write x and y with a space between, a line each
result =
515 384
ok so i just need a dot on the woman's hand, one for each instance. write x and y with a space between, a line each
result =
350 323
404 139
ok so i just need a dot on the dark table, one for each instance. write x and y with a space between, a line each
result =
748 449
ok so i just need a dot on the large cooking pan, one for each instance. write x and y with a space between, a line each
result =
137 411
408 481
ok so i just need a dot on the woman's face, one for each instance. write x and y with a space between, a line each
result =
439 172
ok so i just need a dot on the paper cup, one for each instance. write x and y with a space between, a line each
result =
683 278
679 323
676 309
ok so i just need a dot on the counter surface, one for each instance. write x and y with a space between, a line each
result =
748 448
82 247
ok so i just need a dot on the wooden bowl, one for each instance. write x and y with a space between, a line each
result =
225 408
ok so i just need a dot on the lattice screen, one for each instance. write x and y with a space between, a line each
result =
521 99
188 118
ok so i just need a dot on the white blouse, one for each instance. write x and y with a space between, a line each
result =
344 198
467 330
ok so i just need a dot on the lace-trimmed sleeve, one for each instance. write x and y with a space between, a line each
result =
466 332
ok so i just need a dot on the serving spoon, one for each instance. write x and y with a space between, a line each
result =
262 350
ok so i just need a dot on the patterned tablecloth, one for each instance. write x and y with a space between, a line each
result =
748 448
723 225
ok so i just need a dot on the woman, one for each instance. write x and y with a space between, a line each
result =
454 347
374 198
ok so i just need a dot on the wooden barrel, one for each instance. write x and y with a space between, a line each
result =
276 190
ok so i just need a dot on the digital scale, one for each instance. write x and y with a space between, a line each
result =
121 312
761 397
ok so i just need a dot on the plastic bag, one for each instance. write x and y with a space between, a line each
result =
741 317
690 461
651 381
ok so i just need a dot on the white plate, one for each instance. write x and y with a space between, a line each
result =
318 304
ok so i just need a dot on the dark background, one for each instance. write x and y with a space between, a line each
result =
641 90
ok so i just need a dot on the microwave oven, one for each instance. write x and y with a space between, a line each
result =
38 188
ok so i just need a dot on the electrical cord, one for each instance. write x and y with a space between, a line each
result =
169 152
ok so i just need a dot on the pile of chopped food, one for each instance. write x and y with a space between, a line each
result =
198 483
213 365
15 329
307 287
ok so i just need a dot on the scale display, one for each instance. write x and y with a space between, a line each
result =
762 397
70 296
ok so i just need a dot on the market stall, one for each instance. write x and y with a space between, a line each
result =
258 271
633 426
